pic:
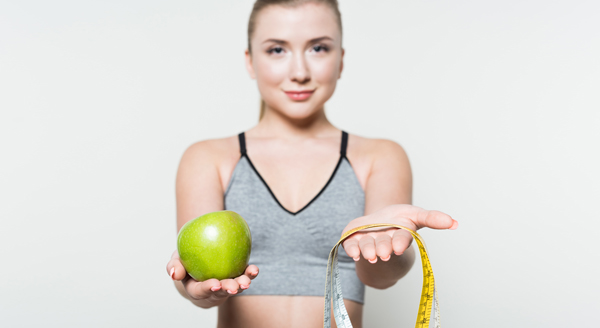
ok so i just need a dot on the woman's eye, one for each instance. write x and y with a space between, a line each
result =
276 50
320 48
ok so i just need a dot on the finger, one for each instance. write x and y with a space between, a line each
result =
251 271
201 290
243 281
435 220
383 246
367 248
175 269
171 263
400 241
230 286
351 247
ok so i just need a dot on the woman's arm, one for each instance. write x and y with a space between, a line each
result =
199 190
388 195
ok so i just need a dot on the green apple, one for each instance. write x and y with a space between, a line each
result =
215 245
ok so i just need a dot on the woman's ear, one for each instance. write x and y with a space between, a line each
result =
342 63
249 66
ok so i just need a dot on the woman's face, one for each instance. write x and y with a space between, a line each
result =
296 57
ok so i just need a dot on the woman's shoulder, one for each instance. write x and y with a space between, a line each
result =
214 149
213 155
374 155
371 149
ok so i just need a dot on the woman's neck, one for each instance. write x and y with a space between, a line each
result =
276 125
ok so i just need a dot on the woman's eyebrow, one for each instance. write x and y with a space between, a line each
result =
320 39
283 42
275 41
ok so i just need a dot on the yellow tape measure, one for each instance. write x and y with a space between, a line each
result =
429 300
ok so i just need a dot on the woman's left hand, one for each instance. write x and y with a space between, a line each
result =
381 242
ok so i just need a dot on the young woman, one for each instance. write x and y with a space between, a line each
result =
299 182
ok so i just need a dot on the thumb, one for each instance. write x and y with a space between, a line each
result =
175 269
435 220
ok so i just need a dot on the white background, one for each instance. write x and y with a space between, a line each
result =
496 102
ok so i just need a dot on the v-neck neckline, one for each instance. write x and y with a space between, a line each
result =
275 197
343 147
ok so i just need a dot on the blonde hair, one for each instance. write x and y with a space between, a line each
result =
262 4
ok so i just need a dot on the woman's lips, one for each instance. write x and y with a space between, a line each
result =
299 95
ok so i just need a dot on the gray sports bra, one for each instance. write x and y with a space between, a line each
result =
291 249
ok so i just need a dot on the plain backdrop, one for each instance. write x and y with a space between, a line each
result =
497 104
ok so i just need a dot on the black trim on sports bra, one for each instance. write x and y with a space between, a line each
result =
344 144
242 139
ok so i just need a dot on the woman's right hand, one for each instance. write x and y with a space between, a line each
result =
211 291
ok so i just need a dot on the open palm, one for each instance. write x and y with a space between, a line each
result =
381 242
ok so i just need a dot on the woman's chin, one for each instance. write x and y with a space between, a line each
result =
300 115
300 111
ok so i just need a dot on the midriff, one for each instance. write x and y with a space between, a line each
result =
276 311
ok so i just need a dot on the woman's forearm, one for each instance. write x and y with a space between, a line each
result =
384 274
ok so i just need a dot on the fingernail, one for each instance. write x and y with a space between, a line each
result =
254 273
454 225
172 273
398 254
232 293
387 258
214 289
244 286
373 261
356 258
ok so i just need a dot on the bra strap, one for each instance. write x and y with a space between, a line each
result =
242 139
344 143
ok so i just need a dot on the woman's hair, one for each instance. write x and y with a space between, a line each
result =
262 4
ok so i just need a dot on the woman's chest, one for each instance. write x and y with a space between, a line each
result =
295 179
311 230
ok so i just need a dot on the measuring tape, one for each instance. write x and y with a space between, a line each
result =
429 300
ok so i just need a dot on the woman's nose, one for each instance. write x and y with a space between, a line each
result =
299 71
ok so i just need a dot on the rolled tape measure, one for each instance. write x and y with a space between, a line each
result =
429 301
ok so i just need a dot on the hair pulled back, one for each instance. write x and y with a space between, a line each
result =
262 4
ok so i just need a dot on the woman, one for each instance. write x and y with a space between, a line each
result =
300 183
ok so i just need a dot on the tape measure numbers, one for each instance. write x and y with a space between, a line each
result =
333 287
